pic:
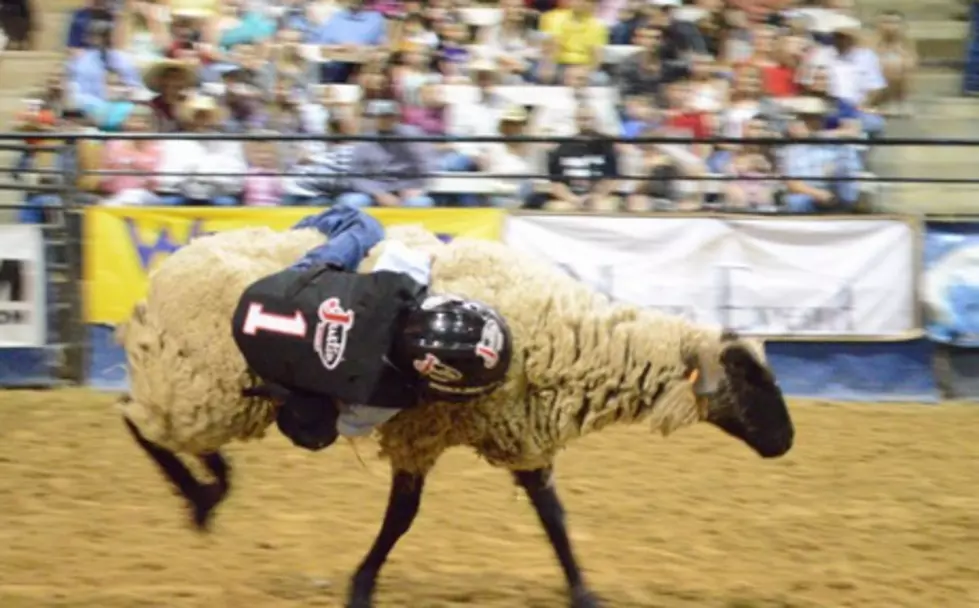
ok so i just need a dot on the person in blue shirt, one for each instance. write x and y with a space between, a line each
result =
253 27
90 72
78 29
352 27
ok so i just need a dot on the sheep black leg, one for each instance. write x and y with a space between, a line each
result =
201 498
403 502
211 495
543 496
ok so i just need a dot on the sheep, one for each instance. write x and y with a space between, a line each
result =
580 363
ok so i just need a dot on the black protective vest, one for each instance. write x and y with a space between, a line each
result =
326 332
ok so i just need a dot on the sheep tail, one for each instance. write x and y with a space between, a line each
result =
363 463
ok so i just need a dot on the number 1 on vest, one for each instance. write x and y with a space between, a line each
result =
258 320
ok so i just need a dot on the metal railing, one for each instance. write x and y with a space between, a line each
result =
61 225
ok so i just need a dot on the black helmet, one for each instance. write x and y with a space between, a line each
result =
459 348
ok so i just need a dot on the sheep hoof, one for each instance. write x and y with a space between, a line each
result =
359 602
202 506
583 598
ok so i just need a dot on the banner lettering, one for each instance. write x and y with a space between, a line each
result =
123 245
772 277
23 320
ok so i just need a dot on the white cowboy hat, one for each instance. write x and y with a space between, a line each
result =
826 21
483 64
806 106
153 76
692 14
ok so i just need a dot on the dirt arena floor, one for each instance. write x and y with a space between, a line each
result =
877 506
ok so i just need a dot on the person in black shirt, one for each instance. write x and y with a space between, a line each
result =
583 171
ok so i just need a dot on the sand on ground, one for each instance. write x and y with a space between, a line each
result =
876 506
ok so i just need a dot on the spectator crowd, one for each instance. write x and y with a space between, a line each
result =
602 75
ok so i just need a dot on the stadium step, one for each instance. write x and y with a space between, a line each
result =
928 83
943 40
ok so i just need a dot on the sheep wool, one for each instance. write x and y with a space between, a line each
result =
580 362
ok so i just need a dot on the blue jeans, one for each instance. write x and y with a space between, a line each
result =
179 200
33 210
847 195
522 195
360 200
299 200
872 124
456 162
352 234
719 160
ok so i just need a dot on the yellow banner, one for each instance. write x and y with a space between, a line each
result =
122 245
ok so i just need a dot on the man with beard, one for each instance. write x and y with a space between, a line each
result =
583 171
388 172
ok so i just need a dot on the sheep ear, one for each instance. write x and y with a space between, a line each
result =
729 335
707 376
741 364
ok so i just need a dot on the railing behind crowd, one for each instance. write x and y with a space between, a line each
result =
53 200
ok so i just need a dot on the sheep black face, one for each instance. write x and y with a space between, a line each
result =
748 404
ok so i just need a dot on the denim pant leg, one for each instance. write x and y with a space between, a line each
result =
847 192
33 211
224 200
422 201
172 200
357 200
456 162
872 124
796 202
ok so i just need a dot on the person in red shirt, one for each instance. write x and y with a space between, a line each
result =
776 64
682 120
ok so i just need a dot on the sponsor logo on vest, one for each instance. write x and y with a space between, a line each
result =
335 323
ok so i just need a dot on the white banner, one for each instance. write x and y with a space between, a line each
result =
22 310
788 277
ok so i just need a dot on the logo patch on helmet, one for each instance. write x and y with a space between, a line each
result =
490 344
335 323
432 367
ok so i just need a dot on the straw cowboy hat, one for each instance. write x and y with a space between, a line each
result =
483 64
515 114
196 104
692 14
153 76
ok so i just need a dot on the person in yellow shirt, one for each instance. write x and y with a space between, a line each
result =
579 34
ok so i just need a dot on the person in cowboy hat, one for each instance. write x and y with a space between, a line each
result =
813 169
855 73
169 79
512 158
